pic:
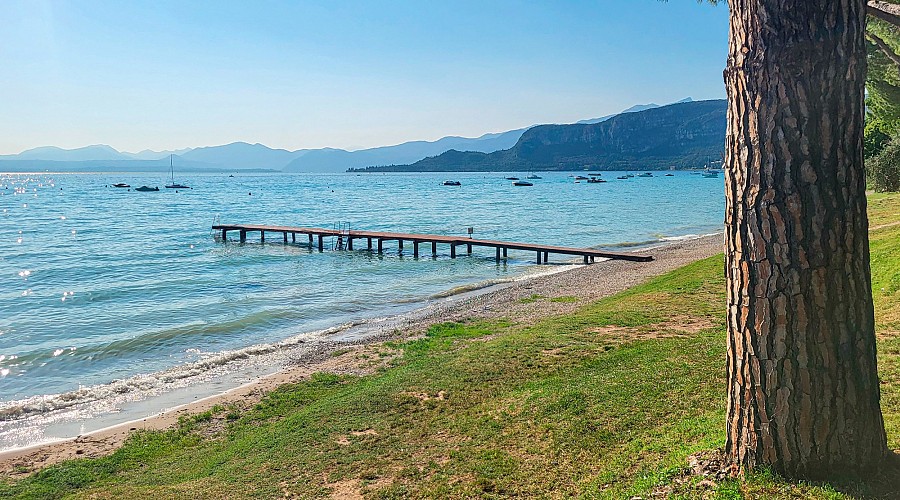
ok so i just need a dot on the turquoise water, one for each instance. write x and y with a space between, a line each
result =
99 284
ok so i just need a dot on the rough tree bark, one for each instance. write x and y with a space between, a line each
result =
803 389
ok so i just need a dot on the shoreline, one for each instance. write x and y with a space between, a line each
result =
524 300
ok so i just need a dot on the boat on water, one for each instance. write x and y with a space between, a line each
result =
146 189
172 184
121 185
522 183
623 177
451 183
711 174
532 176
581 178
512 178
670 175
595 180
645 174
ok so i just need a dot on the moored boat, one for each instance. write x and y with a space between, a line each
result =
451 183
146 189
121 185
522 183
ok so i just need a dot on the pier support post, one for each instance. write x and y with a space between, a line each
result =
498 254
370 244
416 249
469 248
285 237
399 246
453 250
546 255
504 252
539 256
592 259
585 259
380 243
262 236
434 249
310 240
243 235
293 237
349 243
224 235
321 243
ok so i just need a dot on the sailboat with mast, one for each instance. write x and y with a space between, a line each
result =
172 184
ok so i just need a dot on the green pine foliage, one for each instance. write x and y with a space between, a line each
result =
883 171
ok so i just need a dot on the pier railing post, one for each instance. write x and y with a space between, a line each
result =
546 255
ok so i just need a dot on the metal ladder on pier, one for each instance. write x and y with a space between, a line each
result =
342 240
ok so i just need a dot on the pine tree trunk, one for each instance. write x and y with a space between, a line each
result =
803 389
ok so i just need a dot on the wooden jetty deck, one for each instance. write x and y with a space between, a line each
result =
378 238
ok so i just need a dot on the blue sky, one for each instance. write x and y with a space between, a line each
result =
303 74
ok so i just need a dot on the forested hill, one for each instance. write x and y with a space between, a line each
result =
682 135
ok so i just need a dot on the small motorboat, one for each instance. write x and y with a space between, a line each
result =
595 180
146 189
452 183
121 185
512 178
581 178
522 183
670 175
645 174
532 176
711 174
623 177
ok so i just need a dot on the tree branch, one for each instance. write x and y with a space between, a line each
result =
888 12
888 51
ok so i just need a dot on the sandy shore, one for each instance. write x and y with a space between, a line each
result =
346 353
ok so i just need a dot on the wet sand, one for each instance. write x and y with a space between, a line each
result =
343 353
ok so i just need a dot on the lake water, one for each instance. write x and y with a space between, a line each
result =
110 296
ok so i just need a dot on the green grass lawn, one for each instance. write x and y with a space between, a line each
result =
606 402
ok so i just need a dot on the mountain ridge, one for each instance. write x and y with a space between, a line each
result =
679 135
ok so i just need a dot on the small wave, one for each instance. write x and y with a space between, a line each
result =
140 386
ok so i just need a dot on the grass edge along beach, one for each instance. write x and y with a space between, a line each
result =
610 399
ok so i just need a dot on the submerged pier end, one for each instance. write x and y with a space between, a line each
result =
542 252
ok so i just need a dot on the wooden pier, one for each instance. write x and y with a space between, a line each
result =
374 241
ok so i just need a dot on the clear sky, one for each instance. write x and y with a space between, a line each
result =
302 74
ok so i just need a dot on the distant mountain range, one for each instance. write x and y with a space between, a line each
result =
679 135
244 156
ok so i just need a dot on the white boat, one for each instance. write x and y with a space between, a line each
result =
172 184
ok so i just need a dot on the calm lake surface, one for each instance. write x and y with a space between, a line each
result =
100 285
